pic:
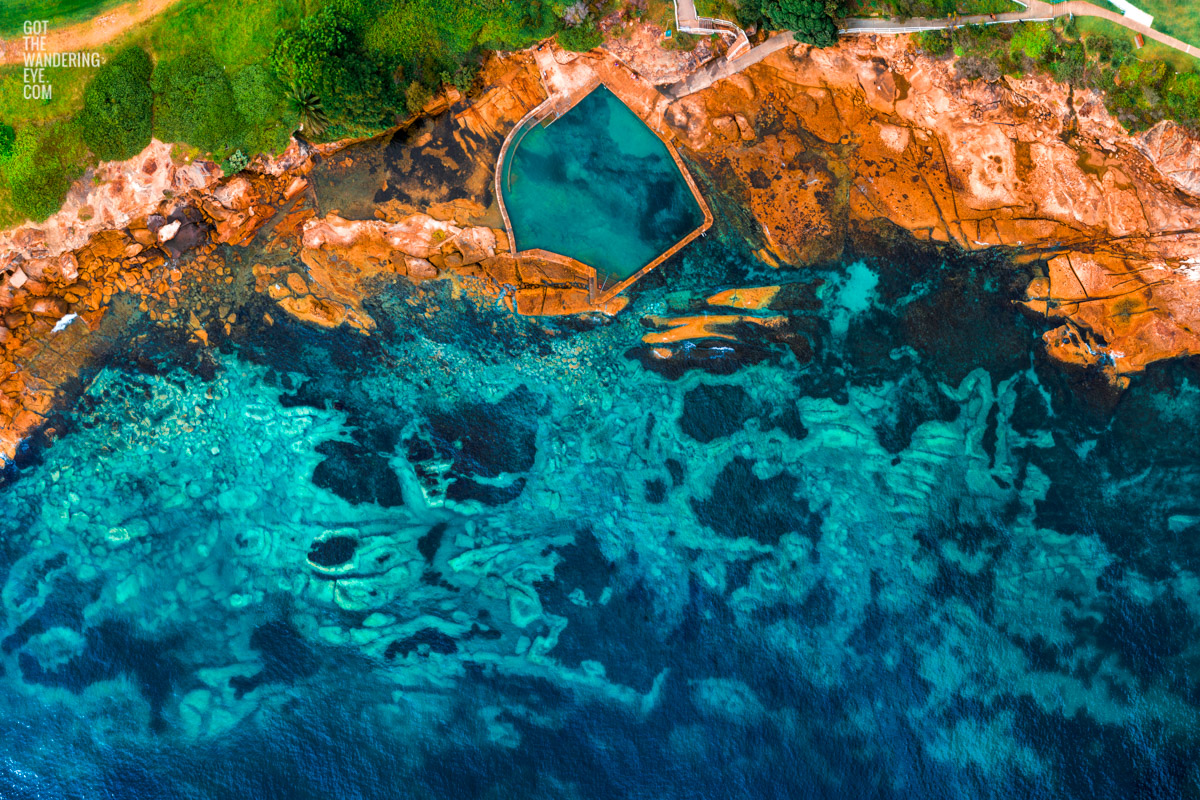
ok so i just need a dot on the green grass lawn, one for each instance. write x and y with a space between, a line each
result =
238 32
1152 51
14 13
1178 18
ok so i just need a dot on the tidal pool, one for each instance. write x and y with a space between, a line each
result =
599 186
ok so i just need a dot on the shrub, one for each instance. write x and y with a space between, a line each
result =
115 119
463 78
1032 39
43 165
8 138
973 67
235 163
257 95
416 96
936 43
194 103
580 38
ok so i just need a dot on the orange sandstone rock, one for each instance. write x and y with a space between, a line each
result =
754 297
874 135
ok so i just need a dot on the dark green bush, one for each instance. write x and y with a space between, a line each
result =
194 103
8 139
327 55
44 162
813 21
580 38
115 119
463 77
257 95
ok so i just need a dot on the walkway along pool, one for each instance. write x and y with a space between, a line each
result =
601 187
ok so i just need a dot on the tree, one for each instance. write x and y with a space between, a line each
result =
309 110
327 56
194 103
813 21
116 114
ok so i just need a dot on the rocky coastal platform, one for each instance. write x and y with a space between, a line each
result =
805 149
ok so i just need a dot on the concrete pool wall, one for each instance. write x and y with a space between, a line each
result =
567 84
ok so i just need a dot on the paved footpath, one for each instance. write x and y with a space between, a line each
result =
1035 11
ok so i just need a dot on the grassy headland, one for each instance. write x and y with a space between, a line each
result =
236 77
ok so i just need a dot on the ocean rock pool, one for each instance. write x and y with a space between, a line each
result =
598 185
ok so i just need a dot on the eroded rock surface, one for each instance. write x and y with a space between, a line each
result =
873 136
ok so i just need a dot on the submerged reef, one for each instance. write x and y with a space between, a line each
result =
493 551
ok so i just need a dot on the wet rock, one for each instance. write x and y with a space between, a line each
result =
49 307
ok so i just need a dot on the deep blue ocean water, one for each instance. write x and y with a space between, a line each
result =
894 554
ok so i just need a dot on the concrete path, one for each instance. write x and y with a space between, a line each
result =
688 20
1035 11
724 67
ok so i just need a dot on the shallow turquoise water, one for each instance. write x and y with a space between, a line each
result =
599 186
902 556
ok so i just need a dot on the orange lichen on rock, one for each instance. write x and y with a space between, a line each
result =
680 329
343 256
754 297
1121 313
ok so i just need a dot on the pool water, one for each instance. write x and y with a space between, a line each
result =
599 186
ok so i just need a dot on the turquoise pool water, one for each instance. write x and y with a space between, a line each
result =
599 186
